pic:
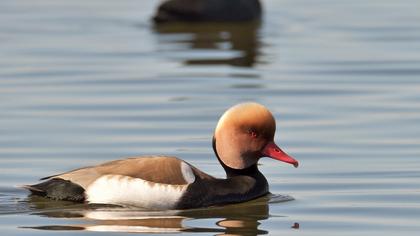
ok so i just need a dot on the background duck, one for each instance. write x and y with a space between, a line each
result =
208 10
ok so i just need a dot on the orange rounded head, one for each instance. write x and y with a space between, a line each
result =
244 134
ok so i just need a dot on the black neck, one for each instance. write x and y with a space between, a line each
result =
231 172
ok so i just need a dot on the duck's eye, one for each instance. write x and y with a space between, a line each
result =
253 134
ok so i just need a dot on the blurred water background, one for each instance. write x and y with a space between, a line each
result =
82 82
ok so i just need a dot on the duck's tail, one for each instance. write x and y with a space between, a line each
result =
58 189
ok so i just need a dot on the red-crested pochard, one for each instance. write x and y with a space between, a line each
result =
243 135
208 11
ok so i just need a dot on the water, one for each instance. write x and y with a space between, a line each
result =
87 82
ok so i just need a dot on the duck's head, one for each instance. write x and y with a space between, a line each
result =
244 134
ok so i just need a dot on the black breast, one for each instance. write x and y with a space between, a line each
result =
239 186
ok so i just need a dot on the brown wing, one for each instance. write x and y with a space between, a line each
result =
158 169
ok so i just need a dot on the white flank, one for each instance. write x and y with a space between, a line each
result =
125 190
130 215
187 173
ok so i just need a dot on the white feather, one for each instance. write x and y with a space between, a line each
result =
187 173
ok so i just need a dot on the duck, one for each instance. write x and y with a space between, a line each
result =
208 11
243 135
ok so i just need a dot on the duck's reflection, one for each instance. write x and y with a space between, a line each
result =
235 219
235 44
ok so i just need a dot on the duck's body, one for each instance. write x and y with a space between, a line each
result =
208 11
162 182
154 182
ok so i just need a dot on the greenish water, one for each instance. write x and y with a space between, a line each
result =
83 82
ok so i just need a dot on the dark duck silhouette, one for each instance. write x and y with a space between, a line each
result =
208 11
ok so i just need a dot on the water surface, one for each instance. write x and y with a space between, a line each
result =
86 82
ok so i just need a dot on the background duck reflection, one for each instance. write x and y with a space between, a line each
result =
235 44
